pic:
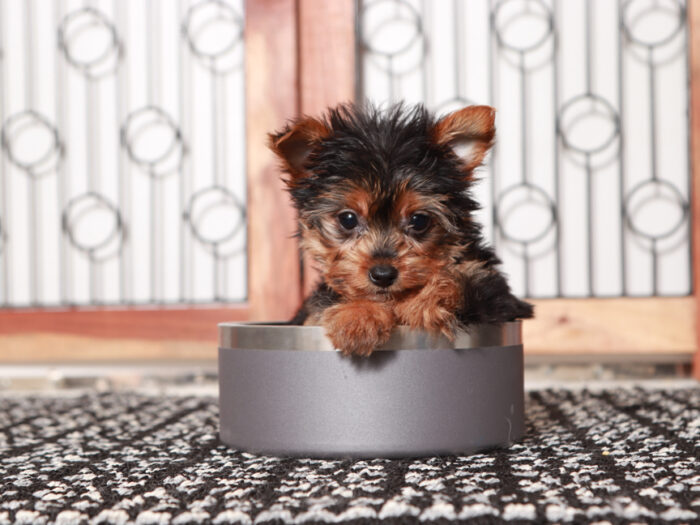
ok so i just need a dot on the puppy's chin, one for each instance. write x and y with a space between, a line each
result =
371 292
381 294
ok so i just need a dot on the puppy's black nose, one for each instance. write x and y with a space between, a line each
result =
383 274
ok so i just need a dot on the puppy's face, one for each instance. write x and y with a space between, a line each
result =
378 244
383 197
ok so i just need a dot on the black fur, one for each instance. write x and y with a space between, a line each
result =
381 150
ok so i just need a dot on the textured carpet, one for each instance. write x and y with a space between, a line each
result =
616 456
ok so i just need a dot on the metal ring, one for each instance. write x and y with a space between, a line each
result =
389 57
546 202
83 206
139 122
631 209
499 27
629 24
204 202
413 18
192 29
76 23
276 336
20 123
565 128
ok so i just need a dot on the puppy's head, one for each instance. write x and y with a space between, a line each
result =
383 196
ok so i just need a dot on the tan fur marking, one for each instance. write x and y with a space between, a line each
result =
433 306
359 200
294 146
409 202
358 327
471 124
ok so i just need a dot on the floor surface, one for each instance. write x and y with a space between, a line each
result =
615 453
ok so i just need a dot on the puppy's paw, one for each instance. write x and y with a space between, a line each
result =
432 309
358 327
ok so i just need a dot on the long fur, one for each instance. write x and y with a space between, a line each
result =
385 166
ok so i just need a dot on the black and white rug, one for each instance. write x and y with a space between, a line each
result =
609 456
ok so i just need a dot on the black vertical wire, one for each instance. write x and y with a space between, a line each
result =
427 63
152 90
652 118
226 178
589 223
359 53
589 46
61 103
150 96
123 201
242 164
557 156
191 107
621 151
4 176
458 59
395 77
92 154
33 204
29 61
654 160
524 159
589 170
218 179
182 170
96 143
495 151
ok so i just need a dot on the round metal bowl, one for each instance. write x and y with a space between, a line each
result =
284 390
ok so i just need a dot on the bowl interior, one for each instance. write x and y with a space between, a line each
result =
278 336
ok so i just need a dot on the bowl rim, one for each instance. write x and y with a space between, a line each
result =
283 336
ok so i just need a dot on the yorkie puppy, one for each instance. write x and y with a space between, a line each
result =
386 212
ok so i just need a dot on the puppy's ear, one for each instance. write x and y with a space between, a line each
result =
295 142
469 132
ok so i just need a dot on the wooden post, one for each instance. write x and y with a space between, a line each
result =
694 50
271 99
326 66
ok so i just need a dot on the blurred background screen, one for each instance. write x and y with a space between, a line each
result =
123 169
587 191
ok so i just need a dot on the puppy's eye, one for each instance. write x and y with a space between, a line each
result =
348 220
419 222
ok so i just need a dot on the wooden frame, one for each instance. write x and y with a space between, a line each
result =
95 333
271 99
661 326
300 59
326 69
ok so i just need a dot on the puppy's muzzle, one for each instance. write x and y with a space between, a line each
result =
383 275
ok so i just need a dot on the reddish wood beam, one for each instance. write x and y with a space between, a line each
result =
274 282
326 67
157 323
694 50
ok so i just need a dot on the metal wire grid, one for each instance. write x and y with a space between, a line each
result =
122 174
587 192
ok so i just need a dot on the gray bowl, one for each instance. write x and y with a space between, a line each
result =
284 390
